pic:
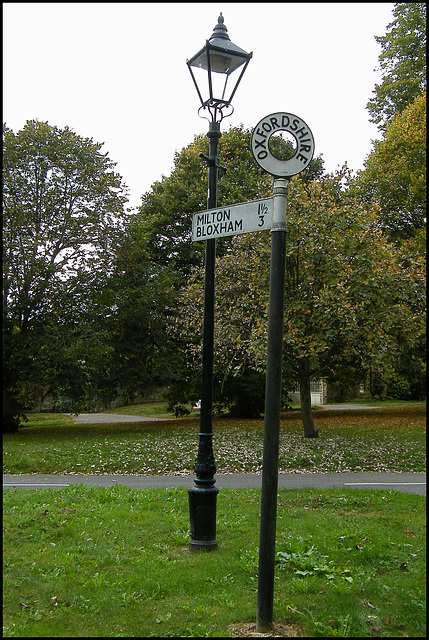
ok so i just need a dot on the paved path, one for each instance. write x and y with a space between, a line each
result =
99 418
346 407
408 482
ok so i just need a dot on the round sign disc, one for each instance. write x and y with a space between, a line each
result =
295 126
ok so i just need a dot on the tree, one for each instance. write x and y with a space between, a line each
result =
403 62
164 224
350 298
395 173
142 297
165 216
63 212
394 181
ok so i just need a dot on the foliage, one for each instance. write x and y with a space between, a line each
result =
309 562
243 181
412 368
349 291
142 295
399 389
13 419
395 172
349 294
394 182
165 215
403 62
62 216
242 395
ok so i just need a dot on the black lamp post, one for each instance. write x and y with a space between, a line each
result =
219 67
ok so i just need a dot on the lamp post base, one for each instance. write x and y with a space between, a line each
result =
202 511
200 545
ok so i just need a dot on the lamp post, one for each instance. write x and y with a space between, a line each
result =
216 71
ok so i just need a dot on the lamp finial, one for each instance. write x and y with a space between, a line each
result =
220 31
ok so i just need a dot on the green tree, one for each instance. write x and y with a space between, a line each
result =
163 226
63 212
350 297
394 177
142 298
403 62
394 182
165 216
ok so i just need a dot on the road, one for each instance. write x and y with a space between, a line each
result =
408 482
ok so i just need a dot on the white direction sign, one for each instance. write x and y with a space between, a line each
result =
292 124
245 217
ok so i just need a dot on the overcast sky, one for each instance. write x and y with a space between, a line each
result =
116 72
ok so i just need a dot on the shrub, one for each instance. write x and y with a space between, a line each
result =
12 422
399 389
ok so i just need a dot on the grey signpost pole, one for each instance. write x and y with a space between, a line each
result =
273 390
243 218
281 170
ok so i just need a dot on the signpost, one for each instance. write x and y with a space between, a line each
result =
281 170
245 217
292 124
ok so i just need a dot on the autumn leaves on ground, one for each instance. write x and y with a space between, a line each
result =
390 439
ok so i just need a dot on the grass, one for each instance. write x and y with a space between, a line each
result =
101 562
388 439
369 402
95 562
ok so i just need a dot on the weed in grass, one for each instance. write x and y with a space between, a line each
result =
327 626
305 562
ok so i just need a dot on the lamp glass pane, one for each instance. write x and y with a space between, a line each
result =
220 63
219 82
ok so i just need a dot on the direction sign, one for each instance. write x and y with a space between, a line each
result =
245 217
294 125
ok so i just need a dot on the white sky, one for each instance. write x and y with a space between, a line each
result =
116 72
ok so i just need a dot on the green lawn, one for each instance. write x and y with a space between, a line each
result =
387 439
159 409
88 561
96 562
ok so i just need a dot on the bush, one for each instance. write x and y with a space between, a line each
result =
399 389
11 423
240 396
180 410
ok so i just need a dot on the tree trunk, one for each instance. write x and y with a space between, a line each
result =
10 412
307 417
